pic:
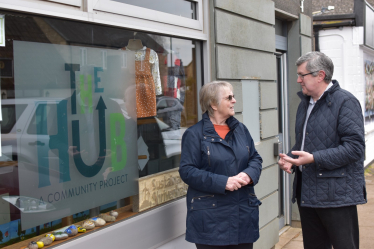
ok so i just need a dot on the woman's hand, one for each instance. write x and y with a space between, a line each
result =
234 183
245 178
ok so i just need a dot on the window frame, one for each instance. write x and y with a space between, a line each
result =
67 9
89 11
148 14
68 2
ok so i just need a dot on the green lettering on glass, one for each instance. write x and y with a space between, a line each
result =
117 140
86 93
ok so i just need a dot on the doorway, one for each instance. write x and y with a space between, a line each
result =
284 187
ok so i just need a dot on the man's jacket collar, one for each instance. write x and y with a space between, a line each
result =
326 94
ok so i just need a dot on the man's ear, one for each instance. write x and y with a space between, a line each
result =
321 75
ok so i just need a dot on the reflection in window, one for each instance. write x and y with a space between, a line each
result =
38 124
90 110
9 116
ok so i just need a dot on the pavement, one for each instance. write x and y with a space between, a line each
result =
292 238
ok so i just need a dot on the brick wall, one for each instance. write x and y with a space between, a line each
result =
343 47
371 2
341 6
293 6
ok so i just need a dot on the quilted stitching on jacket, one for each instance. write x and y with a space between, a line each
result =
335 136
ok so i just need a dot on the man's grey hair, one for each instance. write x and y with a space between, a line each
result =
211 94
317 61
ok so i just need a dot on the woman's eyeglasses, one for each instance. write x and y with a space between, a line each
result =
230 97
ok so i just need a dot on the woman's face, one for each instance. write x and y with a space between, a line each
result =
226 107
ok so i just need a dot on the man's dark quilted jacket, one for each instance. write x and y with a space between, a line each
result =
335 136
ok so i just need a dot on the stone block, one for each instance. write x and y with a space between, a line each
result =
268 123
237 90
268 95
268 181
268 235
269 209
266 151
239 117
305 25
243 32
240 63
306 45
251 108
259 10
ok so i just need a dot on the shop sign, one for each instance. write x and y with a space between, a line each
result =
160 188
76 147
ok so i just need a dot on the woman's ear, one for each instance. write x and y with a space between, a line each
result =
214 107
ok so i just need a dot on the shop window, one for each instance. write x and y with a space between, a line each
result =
9 116
92 122
38 124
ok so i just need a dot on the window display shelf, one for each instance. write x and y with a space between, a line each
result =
123 213
7 164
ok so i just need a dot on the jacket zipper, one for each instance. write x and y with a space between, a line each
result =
198 197
208 155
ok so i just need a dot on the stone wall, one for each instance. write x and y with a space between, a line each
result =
341 6
293 6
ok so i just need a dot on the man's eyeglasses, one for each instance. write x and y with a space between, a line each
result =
230 97
303 75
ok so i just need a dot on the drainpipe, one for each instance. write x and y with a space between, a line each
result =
302 6
316 39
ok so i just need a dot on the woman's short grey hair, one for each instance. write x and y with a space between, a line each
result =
210 94
317 61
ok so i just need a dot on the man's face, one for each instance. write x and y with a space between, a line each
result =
309 83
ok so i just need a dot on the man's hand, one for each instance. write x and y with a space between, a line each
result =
304 158
234 183
283 164
245 178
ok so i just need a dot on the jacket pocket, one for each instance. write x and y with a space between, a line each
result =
199 198
202 215
253 213
331 185
253 201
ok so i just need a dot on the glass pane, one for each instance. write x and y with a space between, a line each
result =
369 92
9 116
87 111
176 7
369 23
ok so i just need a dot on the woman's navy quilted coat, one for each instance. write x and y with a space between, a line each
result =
216 216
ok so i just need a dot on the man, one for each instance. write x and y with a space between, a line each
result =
327 158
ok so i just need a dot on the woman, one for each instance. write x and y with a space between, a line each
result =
221 166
